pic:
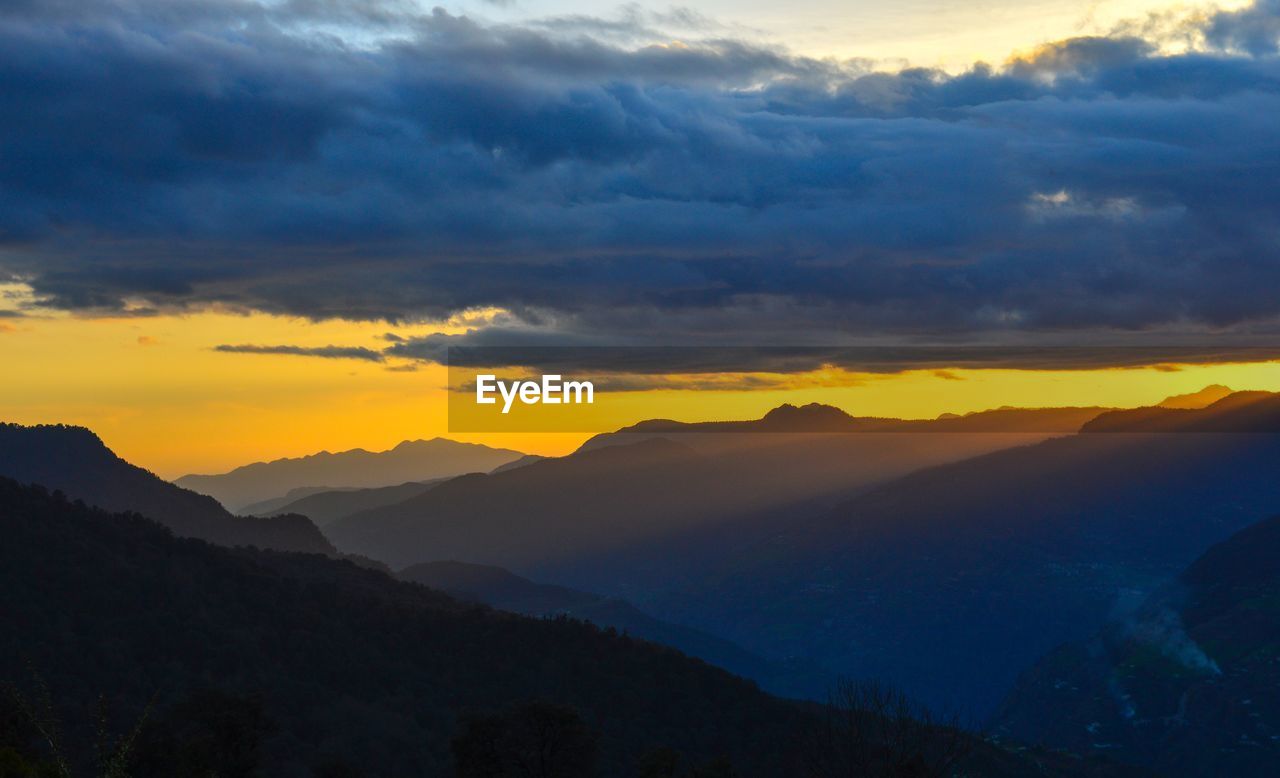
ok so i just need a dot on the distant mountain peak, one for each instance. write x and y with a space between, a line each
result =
1196 400
808 417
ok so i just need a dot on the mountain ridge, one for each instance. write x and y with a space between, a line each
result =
76 461
251 621
502 589
823 418
409 460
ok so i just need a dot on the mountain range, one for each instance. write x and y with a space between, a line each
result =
324 506
932 575
666 488
412 460
247 662
347 662
950 580
1047 566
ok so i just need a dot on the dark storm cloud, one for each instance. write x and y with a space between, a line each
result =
465 352
325 352
1255 29
173 155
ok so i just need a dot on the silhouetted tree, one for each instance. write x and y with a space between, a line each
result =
31 739
533 740
336 767
668 763
210 733
716 768
874 731
659 763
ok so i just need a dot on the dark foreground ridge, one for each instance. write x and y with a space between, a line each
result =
299 665
75 461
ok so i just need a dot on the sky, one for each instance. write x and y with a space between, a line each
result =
922 33
238 230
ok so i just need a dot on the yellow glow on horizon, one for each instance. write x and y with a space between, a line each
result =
954 36
160 396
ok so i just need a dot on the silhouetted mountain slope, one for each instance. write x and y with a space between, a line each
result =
326 507
819 418
1245 412
638 489
412 460
818 455
1206 396
75 461
527 459
950 580
1188 684
276 504
507 591
570 510
349 661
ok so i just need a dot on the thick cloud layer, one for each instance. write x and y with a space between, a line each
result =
360 160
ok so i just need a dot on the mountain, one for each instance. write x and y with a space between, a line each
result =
1189 684
944 579
527 459
507 591
76 462
1205 397
651 491
347 661
326 507
951 580
575 509
1239 412
819 418
412 460
277 504
250 662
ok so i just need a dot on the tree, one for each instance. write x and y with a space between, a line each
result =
666 763
31 740
336 767
870 730
210 733
533 740
659 763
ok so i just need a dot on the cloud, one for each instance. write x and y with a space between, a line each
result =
1254 30
544 351
147 340
326 352
601 187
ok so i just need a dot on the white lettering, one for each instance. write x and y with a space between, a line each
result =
550 390
507 399
576 387
484 385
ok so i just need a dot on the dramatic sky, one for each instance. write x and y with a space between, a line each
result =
245 229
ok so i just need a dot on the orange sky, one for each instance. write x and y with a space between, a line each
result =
157 392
